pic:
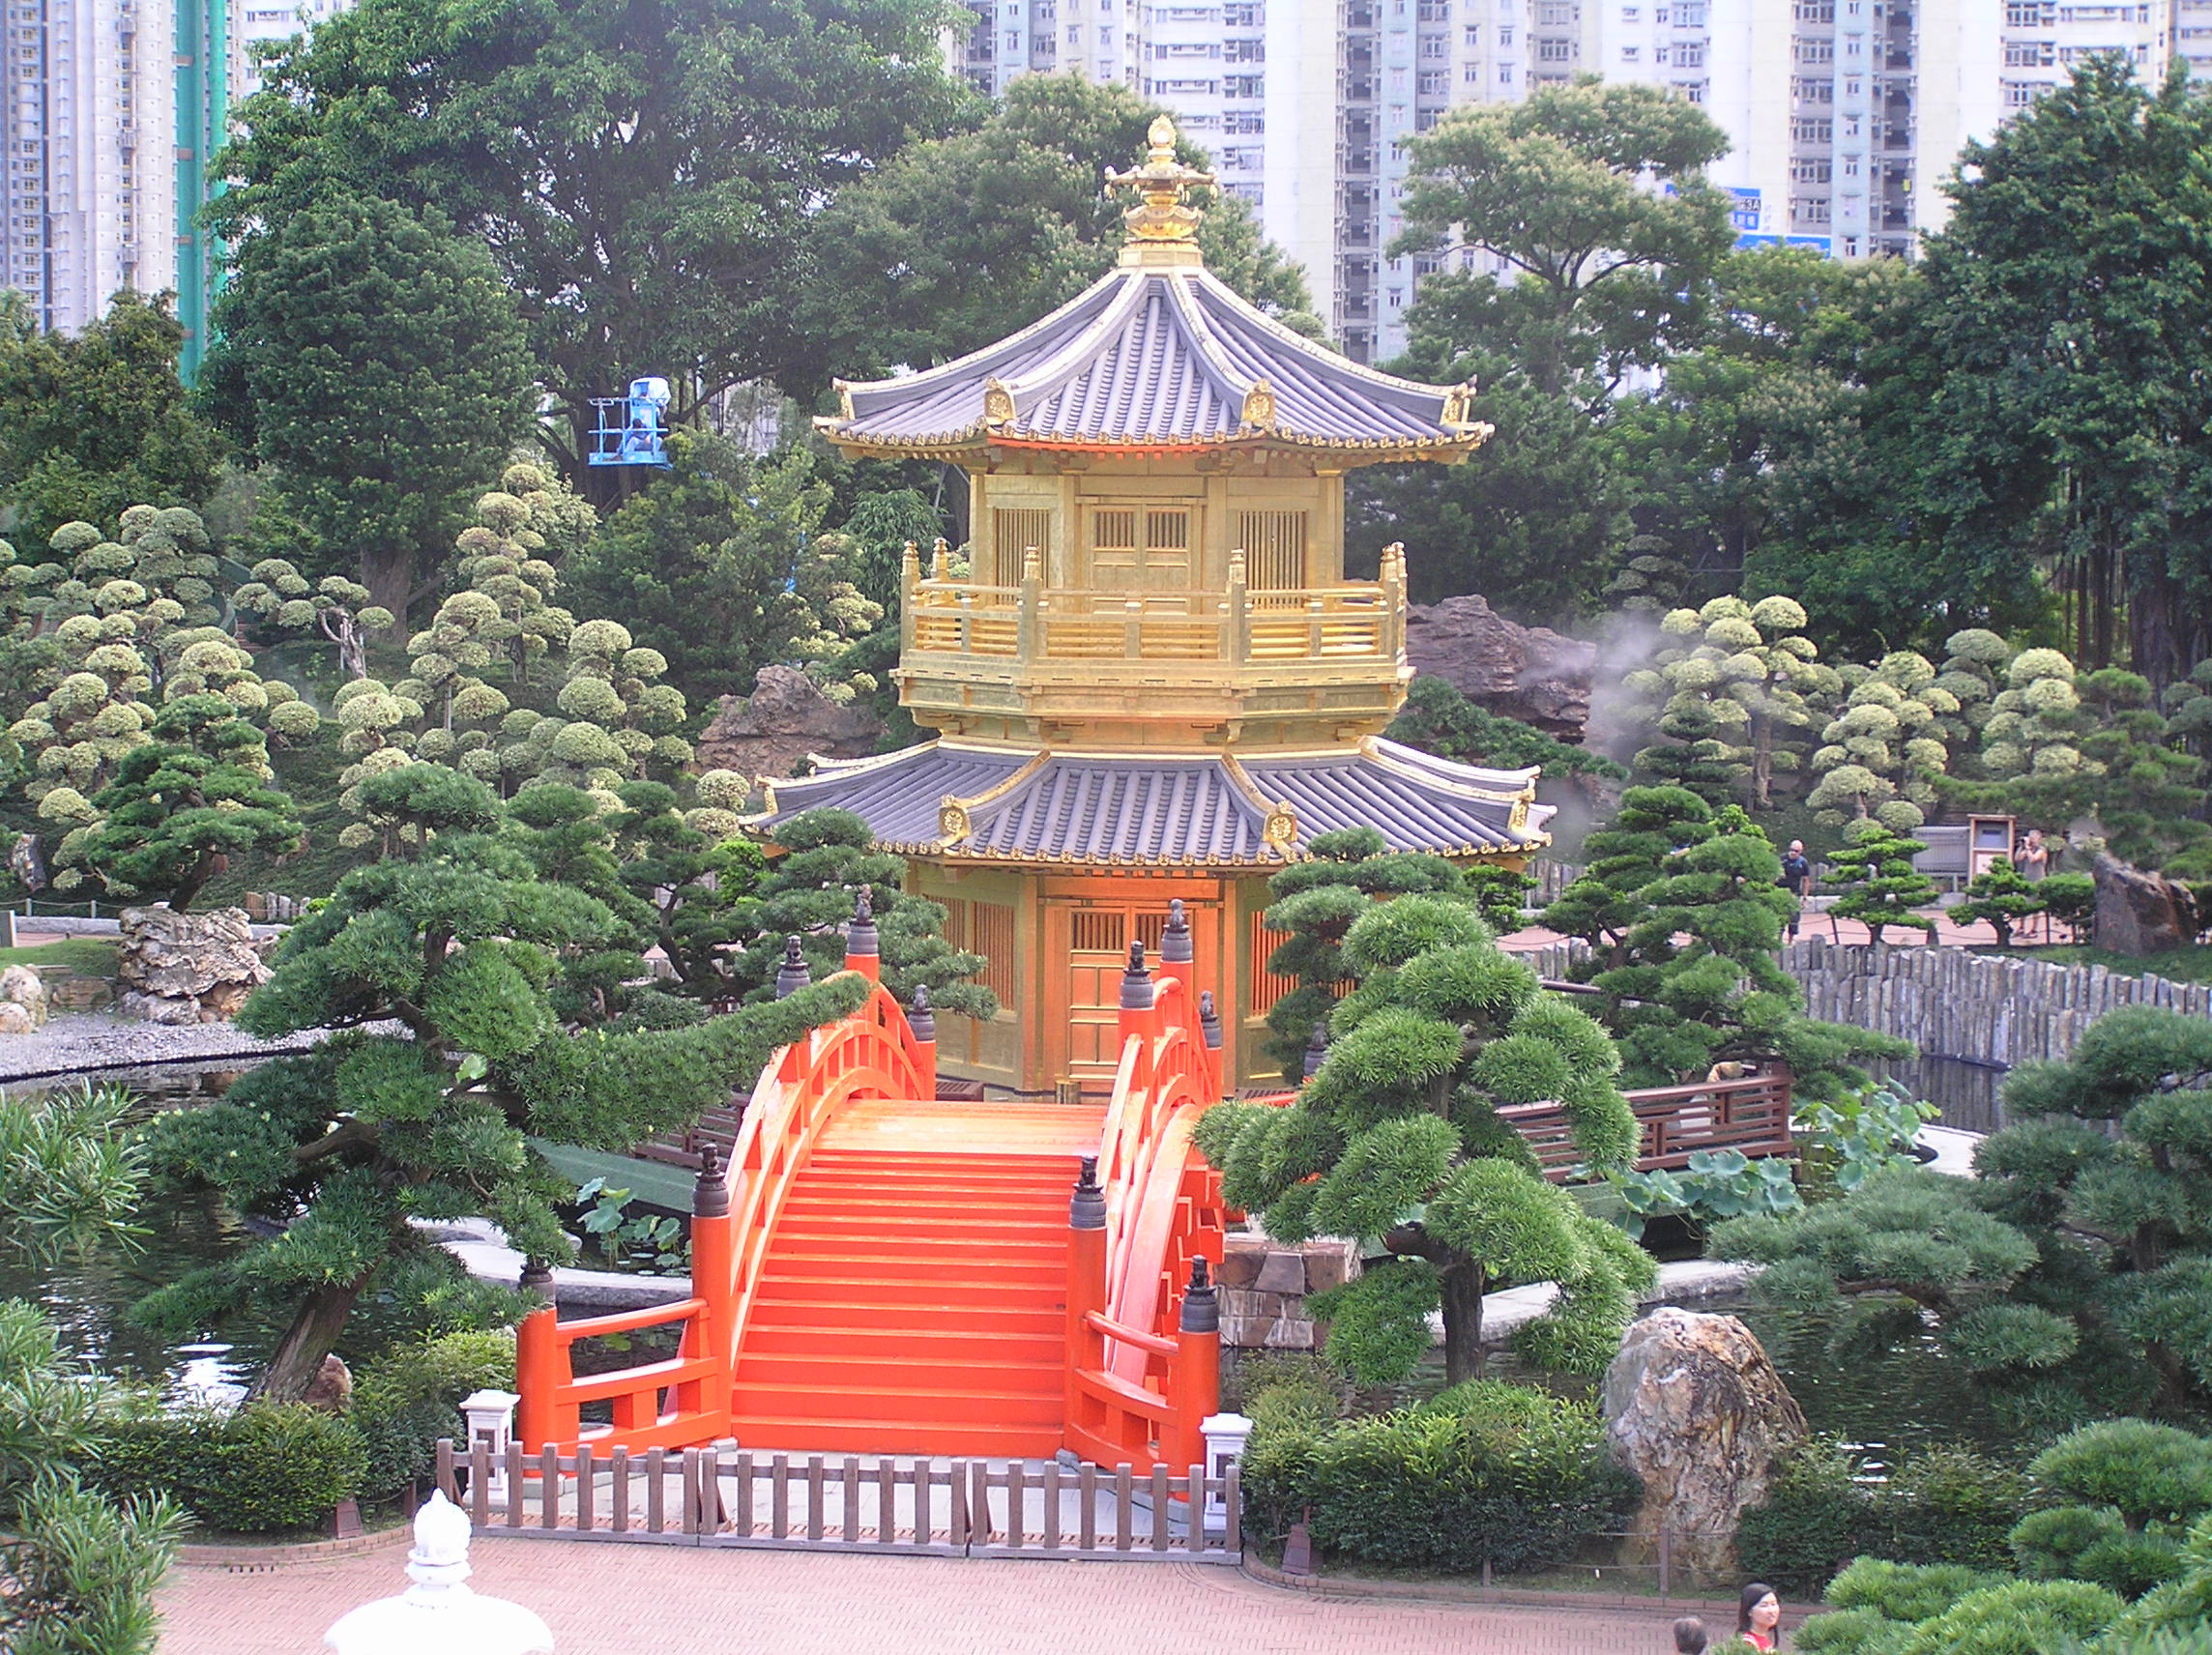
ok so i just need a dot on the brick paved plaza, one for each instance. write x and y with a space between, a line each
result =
635 1600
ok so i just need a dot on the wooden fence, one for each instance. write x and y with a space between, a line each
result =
1751 1116
880 1503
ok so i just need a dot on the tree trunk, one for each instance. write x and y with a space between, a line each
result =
389 573
313 1336
1463 1284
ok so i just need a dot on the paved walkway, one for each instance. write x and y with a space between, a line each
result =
636 1600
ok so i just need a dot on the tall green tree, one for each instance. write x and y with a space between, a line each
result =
370 357
97 420
1597 274
2073 299
645 176
1397 1140
962 239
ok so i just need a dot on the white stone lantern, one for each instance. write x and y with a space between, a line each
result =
490 1416
1226 1435
439 1614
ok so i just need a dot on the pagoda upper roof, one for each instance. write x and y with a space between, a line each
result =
1009 805
1158 354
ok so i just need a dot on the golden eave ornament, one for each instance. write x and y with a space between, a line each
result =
1163 216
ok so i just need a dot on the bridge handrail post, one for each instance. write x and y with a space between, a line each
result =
1194 1384
541 1371
1084 1345
713 1281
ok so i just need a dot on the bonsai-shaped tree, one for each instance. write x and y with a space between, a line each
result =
336 608
1879 754
809 894
2032 743
2003 896
1314 905
184 804
1684 912
1651 580
2148 789
468 947
1439 719
1974 675
701 896
1398 1140
1879 886
1693 756
2116 1501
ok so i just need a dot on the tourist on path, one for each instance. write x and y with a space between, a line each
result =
2034 858
1797 881
1759 1617
1690 1637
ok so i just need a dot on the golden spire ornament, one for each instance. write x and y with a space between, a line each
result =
1163 216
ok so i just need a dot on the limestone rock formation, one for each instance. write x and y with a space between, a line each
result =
1530 673
22 1000
786 717
1693 1407
187 968
2138 912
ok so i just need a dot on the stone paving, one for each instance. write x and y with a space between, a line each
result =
638 1600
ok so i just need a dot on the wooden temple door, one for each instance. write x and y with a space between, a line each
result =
1087 949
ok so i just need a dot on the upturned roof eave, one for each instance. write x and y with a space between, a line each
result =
975 442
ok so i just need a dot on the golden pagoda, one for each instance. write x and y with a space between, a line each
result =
1155 682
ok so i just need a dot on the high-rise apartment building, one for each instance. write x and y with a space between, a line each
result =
89 118
216 69
1843 116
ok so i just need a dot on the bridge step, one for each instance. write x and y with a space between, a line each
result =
912 1300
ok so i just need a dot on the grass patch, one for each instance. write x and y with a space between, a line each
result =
86 956
2191 965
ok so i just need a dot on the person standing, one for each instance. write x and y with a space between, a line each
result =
1690 1637
1759 1617
1797 881
2033 859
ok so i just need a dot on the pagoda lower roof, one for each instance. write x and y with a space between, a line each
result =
1015 805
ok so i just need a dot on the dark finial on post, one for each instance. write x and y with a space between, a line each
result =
537 1273
860 935
919 1017
710 1194
1137 982
1317 1049
1175 941
1209 1020
1201 1305
794 975
1087 1211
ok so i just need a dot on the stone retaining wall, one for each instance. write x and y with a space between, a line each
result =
1264 1289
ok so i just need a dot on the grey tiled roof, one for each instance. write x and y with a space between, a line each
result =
1168 810
1154 355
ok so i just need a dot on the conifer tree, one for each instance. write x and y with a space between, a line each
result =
1397 1141
2003 896
494 968
1879 886
1881 753
333 607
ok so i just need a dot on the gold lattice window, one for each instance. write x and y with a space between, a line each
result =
1013 531
1132 547
1274 546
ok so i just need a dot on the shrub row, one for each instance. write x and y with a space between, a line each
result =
275 1466
1484 1470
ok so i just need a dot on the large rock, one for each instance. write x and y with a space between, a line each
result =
23 1000
785 719
2139 912
1528 673
187 968
1697 1411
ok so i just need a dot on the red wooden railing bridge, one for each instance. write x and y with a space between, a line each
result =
878 1272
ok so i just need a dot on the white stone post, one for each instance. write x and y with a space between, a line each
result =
439 1614
491 1421
1226 1435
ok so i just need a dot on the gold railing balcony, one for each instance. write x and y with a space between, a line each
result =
1081 652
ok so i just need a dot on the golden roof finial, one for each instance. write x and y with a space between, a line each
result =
1163 216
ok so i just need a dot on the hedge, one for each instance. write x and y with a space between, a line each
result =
272 1465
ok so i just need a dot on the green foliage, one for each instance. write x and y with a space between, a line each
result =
1883 749
267 1467
1684 912
1950 1509
1485 1471
370 357
683 214
2071 899
2017 1617
71 1170
174 813
1717 1184
408 1398
2145 1473
1439 719
2004 897
1879 886
1847 1138
95 420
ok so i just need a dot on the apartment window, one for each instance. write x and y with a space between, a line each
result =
1550 14
1808 209
1690 54
1659 54
1816 11
1690 90
1688 16
2029 54
1631 15
1241 86
1247 52
1807 131
1246 16
1432 12
1472 75
1850 246
1851 166
1505 36
1471 36
1807 91
1505 75
1555 51
1631 54
2029 14
1810 171
1816 52
1435 49
1013 40
1435 83
1246 121
2018 94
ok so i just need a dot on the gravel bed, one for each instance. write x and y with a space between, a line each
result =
75 1042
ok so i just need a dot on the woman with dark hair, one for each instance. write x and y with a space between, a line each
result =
1759 1617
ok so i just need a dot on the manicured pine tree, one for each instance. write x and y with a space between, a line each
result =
1879 886
2003 896
1397 1141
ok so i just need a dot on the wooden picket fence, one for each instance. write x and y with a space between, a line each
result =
878 1503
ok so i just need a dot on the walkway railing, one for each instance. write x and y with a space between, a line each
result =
973 1508
877 1052
1145 1229
1751 1116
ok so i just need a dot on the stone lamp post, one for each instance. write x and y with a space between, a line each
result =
439 1614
